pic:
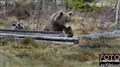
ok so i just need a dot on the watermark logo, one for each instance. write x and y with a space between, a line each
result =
109 60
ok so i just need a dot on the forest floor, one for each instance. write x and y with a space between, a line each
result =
31 54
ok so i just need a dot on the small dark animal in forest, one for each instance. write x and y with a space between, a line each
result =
58 21
17 26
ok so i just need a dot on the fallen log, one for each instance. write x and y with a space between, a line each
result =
39 33
29 31
47 41
114 34
60 40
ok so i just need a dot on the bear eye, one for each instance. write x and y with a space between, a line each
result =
69 20
66 21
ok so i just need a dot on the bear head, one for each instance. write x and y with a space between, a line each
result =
63 18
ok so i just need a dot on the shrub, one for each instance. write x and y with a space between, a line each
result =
82 5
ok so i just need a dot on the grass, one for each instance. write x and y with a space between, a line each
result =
4 24
85 26
25 54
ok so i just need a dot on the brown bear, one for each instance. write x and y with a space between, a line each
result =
58 21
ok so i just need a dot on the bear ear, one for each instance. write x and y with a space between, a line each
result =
60 13
70 13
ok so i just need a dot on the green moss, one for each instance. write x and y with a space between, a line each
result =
83 6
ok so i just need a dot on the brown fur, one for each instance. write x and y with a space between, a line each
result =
57 22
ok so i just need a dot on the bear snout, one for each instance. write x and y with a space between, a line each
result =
69 32
70 35
68 24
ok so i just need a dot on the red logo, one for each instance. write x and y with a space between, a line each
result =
109 60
